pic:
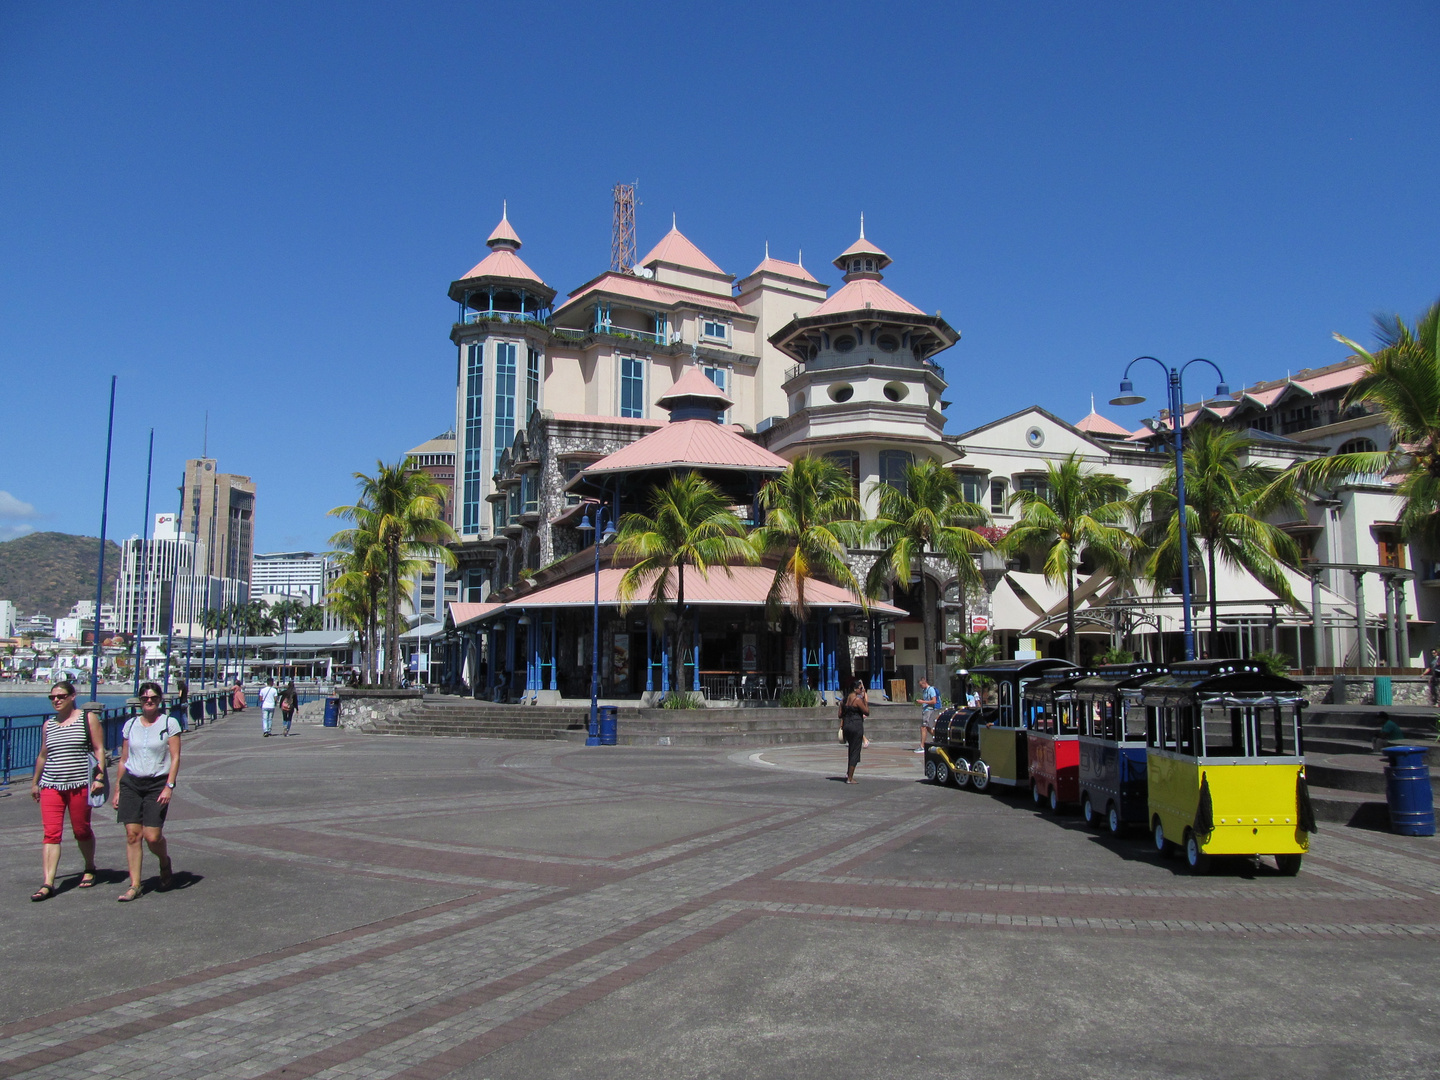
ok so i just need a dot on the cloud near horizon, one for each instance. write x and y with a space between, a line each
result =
15 517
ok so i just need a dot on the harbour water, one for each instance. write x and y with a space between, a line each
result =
26 705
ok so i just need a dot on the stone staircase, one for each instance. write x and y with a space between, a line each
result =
1345 770
468 718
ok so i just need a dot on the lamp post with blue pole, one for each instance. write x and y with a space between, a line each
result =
1175 390
603 534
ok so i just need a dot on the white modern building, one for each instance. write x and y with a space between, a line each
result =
7 618
296 574
158 585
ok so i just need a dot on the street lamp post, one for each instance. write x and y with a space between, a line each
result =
602 535
1174 389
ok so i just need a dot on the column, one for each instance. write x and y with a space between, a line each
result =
649 656
1317 632
1360 649
1391 639
876 658
554 643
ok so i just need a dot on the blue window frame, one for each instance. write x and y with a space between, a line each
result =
504 398
632 386
474 434
532 382
892 468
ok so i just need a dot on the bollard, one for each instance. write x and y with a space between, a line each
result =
1407 791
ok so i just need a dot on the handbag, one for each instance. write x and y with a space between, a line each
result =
840 734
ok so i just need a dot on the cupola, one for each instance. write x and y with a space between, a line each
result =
862 259
695 397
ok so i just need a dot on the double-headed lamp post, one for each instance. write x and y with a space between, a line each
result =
1127 396
603 534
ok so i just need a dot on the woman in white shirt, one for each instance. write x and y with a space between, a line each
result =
149 763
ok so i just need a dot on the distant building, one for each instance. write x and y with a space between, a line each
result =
429 589
68 629
219 508
34 626
436 458
85 610
7 618
159 584
299 574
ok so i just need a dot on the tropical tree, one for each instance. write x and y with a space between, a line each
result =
928 514
1401 381
690 523
1227 503
401 505
352 599
1075 514
286 612
811 518
311 617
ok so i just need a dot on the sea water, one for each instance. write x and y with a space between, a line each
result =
25 705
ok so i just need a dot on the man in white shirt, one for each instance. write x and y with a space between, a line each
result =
927 698
268 696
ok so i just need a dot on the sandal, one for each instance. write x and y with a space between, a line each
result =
87 880
43 893
167 874
132 893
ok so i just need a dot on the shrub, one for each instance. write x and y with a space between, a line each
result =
799 699
1117 656
1275 663
679 700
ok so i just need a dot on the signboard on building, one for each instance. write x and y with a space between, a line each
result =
979 624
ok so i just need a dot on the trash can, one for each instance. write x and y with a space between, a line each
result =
1384 692
1407 791
332 712
609 723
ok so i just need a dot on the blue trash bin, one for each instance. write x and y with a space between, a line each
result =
1407 791
332 712
609 723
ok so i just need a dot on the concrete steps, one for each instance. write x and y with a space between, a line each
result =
1344 768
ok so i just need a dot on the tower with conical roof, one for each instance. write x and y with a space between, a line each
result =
864 386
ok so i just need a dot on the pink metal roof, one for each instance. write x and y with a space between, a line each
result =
743 586
696 384
1099 425
503 234
652 293
783 269
862 247
503 263
676 249
696 443
861 293
464 614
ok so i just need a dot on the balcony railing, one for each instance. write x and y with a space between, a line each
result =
474 316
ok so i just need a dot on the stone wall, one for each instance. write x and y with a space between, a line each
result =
1360 689
362 708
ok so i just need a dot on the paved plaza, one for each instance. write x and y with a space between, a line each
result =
369 906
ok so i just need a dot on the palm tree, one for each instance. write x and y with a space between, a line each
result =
403 507
1402 381
285 612
1075 514
811 518
311 617
352 600
1227 504
355 594
690 524
928 514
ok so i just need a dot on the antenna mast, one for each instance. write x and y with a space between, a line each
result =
622 230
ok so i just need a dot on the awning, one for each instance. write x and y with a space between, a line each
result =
462 615
743 586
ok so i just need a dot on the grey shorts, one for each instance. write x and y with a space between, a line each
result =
140 801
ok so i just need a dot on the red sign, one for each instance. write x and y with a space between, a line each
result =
979 623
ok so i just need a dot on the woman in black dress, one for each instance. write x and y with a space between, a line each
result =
853 711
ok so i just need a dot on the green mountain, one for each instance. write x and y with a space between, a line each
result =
46 572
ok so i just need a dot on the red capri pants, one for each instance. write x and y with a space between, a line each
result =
54 803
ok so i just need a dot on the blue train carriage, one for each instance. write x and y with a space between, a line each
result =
1052 739
1226 766
997 748
1113 744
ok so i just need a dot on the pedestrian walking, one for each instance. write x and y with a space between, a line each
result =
1433 675
853 711
237 696
69 767
927 698
268 696
149 764
181 711
289 702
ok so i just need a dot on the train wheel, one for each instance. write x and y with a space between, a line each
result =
1161 844
960 773
929 768
1195 859
1035 795
1289 864
980 775
942 771
1054 800
1112 819
1087 809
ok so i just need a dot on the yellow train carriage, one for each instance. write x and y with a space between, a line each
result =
1225 762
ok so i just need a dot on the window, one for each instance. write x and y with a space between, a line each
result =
972 486
720 377
532 382
1358 446
530 491
844 343
841 393
1300 418
504 398
997 496
1391 550
892 468
515 505
849 463
715 330
888 342
1263 423
497 514
1036 485
474 433
632 386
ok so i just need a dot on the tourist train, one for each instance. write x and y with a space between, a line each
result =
1207 755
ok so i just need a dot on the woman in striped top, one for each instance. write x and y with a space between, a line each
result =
65 773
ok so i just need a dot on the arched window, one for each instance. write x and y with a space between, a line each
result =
1358 446
849 462
892 467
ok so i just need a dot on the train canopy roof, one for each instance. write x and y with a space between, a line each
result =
1022 669
1197 679
1111 678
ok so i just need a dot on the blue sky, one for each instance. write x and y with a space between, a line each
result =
256 209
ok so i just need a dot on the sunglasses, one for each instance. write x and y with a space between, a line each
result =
149 697
60 697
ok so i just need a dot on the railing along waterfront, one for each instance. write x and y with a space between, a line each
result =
20 735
